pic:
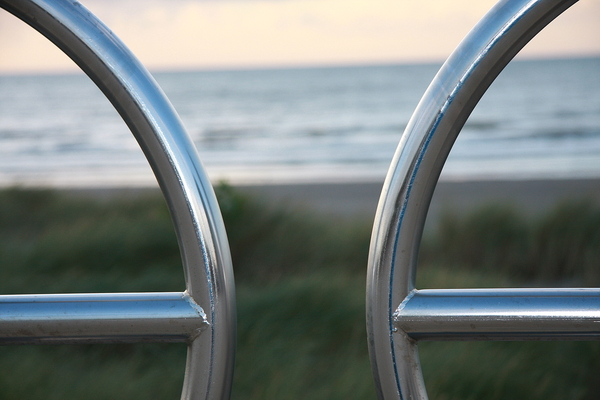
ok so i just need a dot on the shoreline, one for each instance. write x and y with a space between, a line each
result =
359 200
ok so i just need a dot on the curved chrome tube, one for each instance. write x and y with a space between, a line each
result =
411 180
173 158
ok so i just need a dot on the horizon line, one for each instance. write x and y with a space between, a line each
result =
290 66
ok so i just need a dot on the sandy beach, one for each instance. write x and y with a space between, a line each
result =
359 200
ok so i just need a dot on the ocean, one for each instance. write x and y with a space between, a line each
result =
539 120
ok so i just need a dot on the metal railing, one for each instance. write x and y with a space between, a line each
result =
202 316
399 315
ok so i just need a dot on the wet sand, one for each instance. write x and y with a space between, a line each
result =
360 199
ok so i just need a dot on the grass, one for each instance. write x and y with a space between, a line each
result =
300 287
561 247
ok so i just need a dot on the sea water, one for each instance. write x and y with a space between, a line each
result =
540 119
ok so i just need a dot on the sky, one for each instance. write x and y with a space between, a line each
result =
215 34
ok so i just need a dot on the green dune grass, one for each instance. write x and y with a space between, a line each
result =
300 287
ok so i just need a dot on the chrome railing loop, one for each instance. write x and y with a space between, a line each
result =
189 195
398 315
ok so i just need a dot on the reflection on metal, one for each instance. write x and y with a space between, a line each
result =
187 190
397 315
100 318
500 314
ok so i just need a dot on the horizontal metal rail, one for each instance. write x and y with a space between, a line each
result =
100 318
500 314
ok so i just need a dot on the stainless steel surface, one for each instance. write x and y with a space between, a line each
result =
173 158
100 318
500 314
415 169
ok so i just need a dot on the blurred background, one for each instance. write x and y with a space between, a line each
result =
296 107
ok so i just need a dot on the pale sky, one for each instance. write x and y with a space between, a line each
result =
210 34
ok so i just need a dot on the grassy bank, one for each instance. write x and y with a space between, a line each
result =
300 282
561 247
